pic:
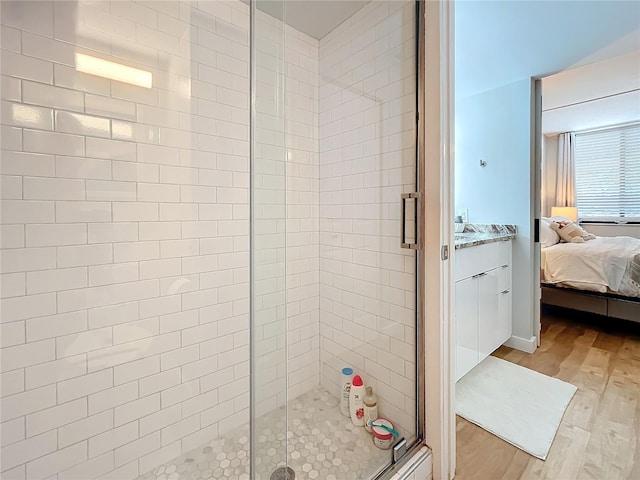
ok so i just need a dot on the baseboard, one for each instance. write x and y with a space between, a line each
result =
522 344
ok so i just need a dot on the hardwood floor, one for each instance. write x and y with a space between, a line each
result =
599 437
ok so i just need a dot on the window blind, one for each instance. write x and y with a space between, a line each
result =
607 173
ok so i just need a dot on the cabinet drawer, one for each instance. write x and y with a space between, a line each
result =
474 260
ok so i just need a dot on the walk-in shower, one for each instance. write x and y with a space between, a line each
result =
203 223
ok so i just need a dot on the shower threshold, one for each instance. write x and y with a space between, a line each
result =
321 444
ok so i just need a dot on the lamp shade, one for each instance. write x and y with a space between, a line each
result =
568 212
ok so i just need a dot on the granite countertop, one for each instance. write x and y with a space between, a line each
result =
479 234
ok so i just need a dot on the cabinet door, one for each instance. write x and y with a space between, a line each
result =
466 321
504 281
504 313
488 317
504 253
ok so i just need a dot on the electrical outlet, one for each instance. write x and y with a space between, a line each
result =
464 213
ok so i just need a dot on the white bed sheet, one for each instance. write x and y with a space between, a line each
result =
604 264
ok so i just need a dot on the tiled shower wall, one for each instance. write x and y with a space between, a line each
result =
303 190
367 159
286 214
125 235
125 225
125 228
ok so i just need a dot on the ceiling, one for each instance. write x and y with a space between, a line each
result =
497 43
592 96
602 112
314 17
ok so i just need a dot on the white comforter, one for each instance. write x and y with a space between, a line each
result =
605 264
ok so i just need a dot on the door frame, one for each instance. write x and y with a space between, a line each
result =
438 205
536 177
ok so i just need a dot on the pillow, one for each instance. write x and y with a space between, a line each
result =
548 236
571 232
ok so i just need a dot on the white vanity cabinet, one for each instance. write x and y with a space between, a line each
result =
482 302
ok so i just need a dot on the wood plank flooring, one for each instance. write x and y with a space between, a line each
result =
599 437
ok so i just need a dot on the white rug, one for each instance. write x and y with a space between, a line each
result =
515 403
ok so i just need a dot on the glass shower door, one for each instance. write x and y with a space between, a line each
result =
367 162
333 153
268 241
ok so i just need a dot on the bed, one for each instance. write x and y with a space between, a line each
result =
601 275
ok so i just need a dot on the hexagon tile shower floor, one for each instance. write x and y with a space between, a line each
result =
321 444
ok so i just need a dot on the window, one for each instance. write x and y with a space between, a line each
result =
607 172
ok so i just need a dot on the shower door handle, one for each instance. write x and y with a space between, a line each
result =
403 227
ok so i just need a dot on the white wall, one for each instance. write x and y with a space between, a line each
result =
367 159
495 126
125 232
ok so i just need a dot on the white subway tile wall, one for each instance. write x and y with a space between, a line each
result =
125 226
286 182
302 203
124 235
367 111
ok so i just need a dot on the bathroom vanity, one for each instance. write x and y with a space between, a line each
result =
482 292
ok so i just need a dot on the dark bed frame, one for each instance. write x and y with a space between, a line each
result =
607 304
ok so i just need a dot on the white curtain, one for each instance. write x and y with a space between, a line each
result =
565 179
549 173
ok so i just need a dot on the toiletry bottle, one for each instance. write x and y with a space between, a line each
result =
370 408
347 373
356 404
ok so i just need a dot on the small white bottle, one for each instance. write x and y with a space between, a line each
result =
356 403
370 408
347 373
